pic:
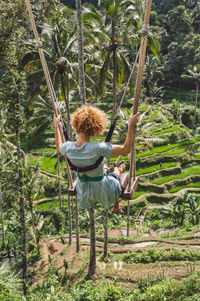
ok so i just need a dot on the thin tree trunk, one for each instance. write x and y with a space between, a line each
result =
70 220
196 102
2 224
128 219
32 213
72 213
59 184
114 85
105 250
77 227
92 263
114 48
66 98
80 51
21 189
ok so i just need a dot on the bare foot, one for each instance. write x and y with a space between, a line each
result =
122 167
117 210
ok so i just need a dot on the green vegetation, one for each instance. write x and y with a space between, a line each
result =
176 127
45 163
193 185
49 150
153 255
154 168
185 173
167 150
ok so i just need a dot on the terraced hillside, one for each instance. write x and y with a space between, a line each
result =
167 154
169 165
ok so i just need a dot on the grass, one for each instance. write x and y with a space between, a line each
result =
187 172
176 127
160 127
154 168
153 255
165 148
154 114
45 163
177 151
137 194
197 156
193 185
49 205
49 150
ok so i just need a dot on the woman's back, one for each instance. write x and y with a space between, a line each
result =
105 190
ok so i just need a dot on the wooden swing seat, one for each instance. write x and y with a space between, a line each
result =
128 194
124 178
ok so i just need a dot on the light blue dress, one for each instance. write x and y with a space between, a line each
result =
104 191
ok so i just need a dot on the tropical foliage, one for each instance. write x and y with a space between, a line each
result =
33 200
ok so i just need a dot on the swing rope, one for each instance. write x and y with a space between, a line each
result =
48 81
138 86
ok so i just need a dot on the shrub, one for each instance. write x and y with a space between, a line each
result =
153 255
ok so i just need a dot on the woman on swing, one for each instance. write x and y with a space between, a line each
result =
93 186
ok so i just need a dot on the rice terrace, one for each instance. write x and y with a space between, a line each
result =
98 201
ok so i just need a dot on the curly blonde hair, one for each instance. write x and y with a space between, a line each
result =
89 120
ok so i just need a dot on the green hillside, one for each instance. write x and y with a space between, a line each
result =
170 167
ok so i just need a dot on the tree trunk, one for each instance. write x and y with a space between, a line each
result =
128 218
114 85
2 224
80 51
32 214
196 102
92 264
105 250
59 184
66 98
77 227
70 221
114 49
21 188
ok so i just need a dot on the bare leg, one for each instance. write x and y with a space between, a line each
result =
117 208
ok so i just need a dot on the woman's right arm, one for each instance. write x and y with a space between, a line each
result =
118 150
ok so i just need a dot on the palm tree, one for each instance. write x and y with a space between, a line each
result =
42 117
60 40
80 51
34 185
144 135
153 73
194 74
108 28
7 151
114 32
17 98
